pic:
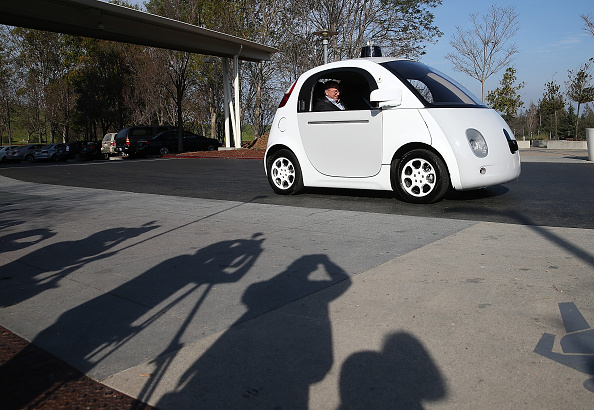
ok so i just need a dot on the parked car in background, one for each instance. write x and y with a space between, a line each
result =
74 148
108 144
62 153
23 153
126 142
4 150
91 150
167 142
50 152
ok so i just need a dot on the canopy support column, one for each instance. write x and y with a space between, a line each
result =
237 130
232 109
226 101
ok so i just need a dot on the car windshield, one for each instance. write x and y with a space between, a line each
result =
434 88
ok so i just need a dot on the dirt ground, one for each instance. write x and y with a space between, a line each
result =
31 378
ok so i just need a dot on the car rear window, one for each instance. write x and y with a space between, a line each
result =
140 132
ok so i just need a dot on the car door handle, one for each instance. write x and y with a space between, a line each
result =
338 122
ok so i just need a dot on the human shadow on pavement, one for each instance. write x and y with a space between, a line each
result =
401 376
23 239
44 268
269 361
99 336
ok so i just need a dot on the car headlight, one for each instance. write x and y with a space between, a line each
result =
477 143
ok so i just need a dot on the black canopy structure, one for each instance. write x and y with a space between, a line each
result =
98 19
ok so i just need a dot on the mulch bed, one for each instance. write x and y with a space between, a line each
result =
31 378
253 150
240 153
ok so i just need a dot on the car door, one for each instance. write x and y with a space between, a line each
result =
342 143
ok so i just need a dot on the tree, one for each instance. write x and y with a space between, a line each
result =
40 61
552 103
179 63
589 23
532 118
401 27
587 120
7 83
505 99
102 77
483 50
579 88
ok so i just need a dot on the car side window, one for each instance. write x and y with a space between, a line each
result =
355 85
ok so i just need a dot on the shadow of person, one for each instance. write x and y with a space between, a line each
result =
269 361
98 336
24 239
42 269
401 376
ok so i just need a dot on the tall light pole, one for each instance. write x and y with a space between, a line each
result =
325 34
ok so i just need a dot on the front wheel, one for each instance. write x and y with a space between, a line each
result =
420 177
164 151
284 173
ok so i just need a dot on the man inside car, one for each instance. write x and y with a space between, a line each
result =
331 100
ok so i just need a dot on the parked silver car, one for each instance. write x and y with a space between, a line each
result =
108 144
4 150
23 153
51 152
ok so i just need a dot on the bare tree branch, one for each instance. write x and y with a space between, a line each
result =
589 23
483 50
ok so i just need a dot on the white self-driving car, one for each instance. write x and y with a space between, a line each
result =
407 128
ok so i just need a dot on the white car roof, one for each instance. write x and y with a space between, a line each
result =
359 61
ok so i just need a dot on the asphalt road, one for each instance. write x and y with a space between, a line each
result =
546 194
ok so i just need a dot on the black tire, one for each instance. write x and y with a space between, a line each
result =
29 158
284 173
210 147
164 151
420 177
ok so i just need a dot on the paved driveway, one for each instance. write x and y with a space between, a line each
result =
189 302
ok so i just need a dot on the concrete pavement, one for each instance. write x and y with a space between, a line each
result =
188 303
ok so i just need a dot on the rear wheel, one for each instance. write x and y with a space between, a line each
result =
284 173
164 151
421 177
29 158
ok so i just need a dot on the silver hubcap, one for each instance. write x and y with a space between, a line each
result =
283 173
418 177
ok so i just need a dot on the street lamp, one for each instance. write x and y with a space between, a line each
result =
325 34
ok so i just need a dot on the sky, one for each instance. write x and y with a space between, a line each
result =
551 40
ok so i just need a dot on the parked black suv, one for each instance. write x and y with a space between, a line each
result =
126 142
167 142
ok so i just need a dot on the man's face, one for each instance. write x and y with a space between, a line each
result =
332 92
